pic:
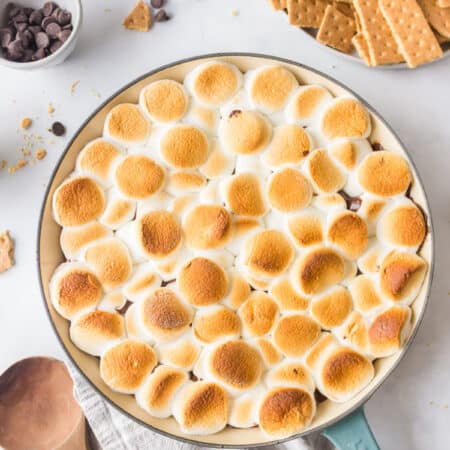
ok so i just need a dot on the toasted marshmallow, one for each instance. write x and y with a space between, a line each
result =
113 301
127 124
244 196
345 117
307 227
288 190
207 227
124 367
244 409
261 90
307 103
181 182
138 177
290 145
389 330
401 276
162 316
234 364
325 175
74 239
244 132
118 210
156 235
239 290
95 331
402 225
285 411
329 203
290 373
366 297
258 314
184 147
348 232
77 201
211 417
343 373
323 345
370 210
267 253
203 117
370 260
97 159
141 283
349 153
219 163
354 332
202 282
384 174
111 262
164 101
156 395
269 353
74 289
287 297
317 270
294 334
182 352
216 323
332 308
214 82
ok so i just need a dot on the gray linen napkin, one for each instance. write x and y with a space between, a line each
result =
115 431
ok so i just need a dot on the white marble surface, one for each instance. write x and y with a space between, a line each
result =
410 410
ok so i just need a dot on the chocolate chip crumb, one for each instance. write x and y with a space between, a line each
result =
58 129
161 16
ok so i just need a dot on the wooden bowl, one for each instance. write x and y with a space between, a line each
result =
50 255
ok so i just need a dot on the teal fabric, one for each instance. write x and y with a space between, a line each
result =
352 433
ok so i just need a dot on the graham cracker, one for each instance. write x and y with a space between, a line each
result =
139 18
360 43
414 36
306 13
278 4
444 3
441 39
383 48
344 8
336 30
439 18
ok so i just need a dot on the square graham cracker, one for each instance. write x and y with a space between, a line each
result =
278 4
383 48
306 13
438 18
411 31
336 30
360 43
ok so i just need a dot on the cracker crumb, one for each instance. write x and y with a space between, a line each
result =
139 18
26 152
73 86
6 251
41 153
3 164
11 169
21 163
26 123
50 109
234 12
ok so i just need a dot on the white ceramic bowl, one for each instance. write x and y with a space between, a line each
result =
74 6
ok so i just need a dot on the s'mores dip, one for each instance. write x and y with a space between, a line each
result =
235 245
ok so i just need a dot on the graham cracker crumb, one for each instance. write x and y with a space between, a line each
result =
3 164
139 18
25 152
50 109
6 251
11 169
21 163
41 153
73 86
26 123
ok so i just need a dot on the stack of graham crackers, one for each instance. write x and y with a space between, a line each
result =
381 31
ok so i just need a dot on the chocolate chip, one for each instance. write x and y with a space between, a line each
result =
46 21
48 8
42 40
15 50
355 204
21 17
64 17
58 129
26 37
38 54
6 36
27 55
157 3
35 28
55 46
376 146
64 35
161 16
21 26
233 113
56 11
36 17
13 11
53 29
28 11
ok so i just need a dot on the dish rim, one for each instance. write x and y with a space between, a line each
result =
430 230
